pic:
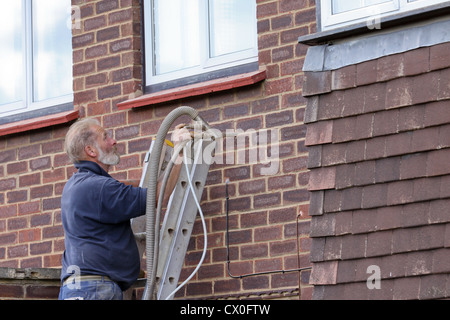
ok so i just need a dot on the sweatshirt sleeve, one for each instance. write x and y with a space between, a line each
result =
120 202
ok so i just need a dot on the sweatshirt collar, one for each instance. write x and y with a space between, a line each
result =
92 167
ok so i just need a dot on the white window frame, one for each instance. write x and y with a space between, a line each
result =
27 104
207 64
331 21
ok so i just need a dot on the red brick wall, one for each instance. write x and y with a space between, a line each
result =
264 210
378 140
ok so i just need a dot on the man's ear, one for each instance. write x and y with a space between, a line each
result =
91 152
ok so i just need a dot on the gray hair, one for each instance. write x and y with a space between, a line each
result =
80 135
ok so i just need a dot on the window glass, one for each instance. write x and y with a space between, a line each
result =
340 6
177 35
193 39
11 49
339 13
52 50
231 30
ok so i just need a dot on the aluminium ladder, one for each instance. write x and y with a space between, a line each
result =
180 215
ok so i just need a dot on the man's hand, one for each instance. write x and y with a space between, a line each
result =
180 134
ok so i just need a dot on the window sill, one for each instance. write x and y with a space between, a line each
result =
197 89
37 123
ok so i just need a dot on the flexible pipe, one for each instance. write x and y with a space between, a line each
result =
151 225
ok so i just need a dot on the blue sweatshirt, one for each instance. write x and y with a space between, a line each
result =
96 210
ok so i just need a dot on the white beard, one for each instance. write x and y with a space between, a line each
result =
110 159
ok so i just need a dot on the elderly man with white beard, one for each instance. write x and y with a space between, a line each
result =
101 258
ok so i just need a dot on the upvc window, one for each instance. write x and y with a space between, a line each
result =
188 38
36 55
341 13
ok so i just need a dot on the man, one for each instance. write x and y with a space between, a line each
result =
101 258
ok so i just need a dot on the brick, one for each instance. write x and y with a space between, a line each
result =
279 119
18 167
83 68
252 187
83 40
41 192
330 106
333 154
366 73
425 139
399 92
426 188
322 178
351 199
416 61
7 184
399 144
295 196
257 282
375 97
400 192
28 152
353 102
282 53
316 203
379 243
108 63
11 291
343 78
121 45
343 129
267 200
324 273
267 9
17 196
281 182
406 288
29 180
439 56
319 133
433 286
387 169
316 83
425 87
106 5
51 204
385 123
411 118
40 248
42 292
438 163
254 251
390 67
94 23
279 86
444 84
354 246
223 286
374 196
40 163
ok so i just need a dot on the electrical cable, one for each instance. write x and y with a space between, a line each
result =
228 247
205 245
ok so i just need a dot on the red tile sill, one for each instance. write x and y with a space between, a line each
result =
195 89
37 123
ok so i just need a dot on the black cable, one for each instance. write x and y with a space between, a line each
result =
228 247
